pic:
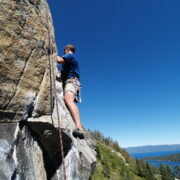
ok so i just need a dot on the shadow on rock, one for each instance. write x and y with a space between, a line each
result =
48 138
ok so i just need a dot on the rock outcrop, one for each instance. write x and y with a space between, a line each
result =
29 136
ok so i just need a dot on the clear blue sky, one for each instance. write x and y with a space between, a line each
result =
129 54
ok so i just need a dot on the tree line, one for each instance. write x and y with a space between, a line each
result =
109 166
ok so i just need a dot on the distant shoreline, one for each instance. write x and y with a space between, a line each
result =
172 157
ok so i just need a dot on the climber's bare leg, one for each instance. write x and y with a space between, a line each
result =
69 100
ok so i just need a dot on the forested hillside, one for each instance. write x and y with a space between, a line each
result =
114 163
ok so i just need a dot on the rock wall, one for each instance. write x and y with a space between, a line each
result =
24 58
29 136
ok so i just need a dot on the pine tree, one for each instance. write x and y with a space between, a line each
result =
138 168
141 168
169 172
177 171
166 172
149 175
163 172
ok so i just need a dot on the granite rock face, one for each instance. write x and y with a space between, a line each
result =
29 133
24 45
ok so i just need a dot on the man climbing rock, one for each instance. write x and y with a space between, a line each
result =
70 78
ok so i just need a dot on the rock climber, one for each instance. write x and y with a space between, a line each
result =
70 77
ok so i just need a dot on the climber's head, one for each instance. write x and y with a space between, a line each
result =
70 48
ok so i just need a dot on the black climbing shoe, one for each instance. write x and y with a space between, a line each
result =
77 133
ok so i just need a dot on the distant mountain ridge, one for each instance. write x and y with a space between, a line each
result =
153 148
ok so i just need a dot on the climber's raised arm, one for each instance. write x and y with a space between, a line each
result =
60 60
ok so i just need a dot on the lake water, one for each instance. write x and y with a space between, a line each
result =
157 163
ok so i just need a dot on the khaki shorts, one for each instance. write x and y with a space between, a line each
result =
73 85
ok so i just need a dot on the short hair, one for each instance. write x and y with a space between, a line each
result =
70 47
